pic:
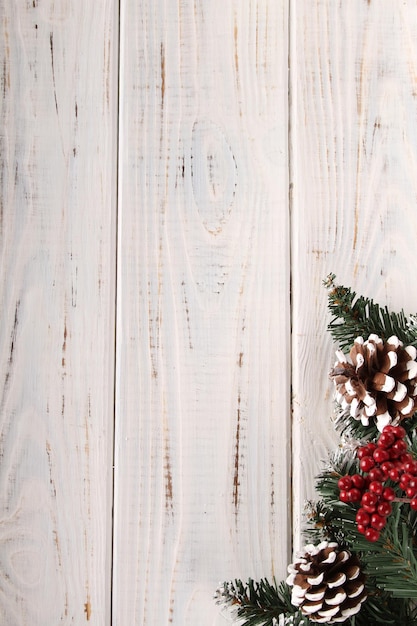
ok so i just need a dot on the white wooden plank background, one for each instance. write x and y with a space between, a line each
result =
57 224
202 422
354 152
215 214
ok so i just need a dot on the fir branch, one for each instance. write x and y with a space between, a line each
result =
393 563
354 316
381 608
260 603
390 563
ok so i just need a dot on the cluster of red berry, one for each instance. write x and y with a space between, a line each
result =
381 462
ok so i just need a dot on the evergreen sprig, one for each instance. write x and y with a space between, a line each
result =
390 563
260 603
354 316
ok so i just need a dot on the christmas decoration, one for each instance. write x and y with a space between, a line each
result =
327 583
359 566
377 379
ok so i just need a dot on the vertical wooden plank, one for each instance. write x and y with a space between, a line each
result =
202 412
354 146
57 234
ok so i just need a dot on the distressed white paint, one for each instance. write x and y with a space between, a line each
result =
203 369
57 224
354 146
202 422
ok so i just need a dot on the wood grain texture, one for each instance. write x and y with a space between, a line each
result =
354 152
57 227
205 336
202 405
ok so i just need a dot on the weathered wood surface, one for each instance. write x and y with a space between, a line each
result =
204 327
354 156
202 406
57 224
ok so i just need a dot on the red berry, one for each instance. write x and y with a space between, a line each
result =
344 482
406 457
386 439
358 481
362 517
410 467
388 494
344 496
376 487
372 534
413 504
411 492
400 447
369 498
361 529
376 473
386 466
394 474
377 521
355 495
362 452
405 479
366 463
369 501
399 432
381 455
384 509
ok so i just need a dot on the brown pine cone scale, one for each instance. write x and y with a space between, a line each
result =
377 380
327 583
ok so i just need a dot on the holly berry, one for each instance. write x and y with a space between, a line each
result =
358 481
366 463
411 492
369 501
344 483
405 479
372 534
380 455
384 508
376 473
398 431
389 459
355 495
386 467
413 504
362 517
386 439
398 448
376 487
377 521
388 494
344 496
394 474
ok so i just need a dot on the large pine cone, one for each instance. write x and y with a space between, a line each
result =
377 380
327 583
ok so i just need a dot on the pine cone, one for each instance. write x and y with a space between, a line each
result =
327 583
377 380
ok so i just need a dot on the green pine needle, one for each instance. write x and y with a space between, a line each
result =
354 316
260 603
390 563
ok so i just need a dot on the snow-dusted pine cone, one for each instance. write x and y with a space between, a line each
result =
377 380
327 583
